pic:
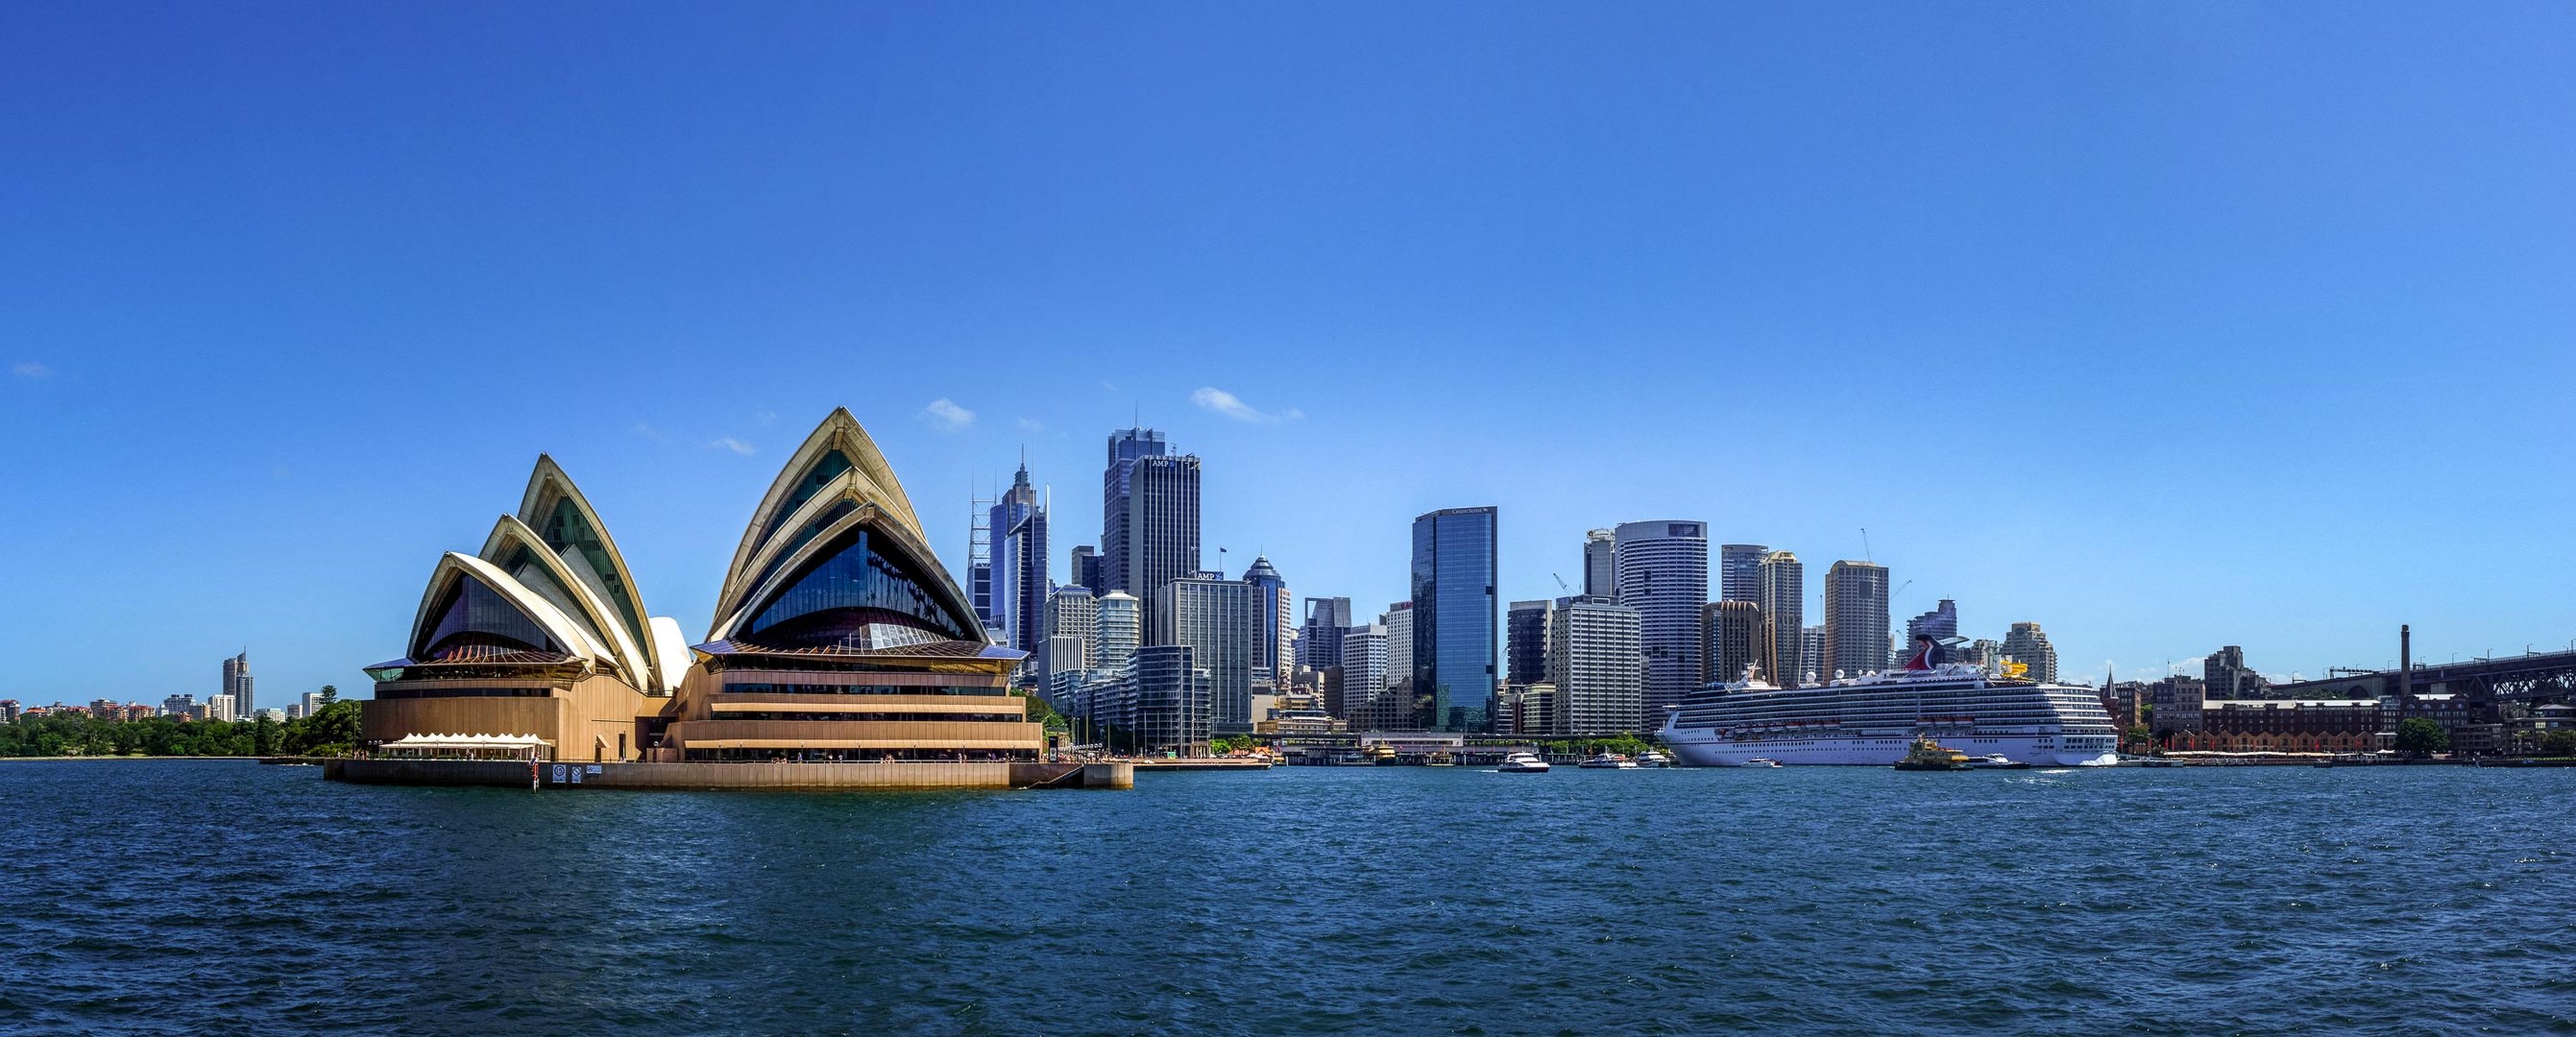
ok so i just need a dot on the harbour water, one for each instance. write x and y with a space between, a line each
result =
218 896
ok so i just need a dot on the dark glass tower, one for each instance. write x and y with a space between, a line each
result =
1149 515
1454 629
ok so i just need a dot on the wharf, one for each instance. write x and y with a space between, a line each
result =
1198 763
806 777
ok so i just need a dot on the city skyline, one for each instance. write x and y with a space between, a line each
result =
1366 266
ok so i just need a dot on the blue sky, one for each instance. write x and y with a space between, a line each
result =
2168 325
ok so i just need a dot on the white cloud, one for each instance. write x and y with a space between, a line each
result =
766 416
730 443
30 369
1232 406
947 415
1032 425
646 430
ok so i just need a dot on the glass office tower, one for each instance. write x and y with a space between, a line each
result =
1454 624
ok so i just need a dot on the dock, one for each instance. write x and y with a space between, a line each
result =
803 777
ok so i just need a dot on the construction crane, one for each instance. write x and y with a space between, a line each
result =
1560 584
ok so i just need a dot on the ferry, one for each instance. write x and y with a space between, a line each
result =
1523 763
1871 720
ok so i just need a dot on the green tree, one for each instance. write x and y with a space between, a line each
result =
265 736
2558 743
2139 735
2420 737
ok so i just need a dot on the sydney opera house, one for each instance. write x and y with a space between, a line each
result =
838 636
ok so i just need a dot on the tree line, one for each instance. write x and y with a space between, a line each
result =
332 730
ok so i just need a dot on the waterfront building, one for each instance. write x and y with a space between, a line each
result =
178 705
10 711
2027 645
1855 619
2288 726
1985 653
1739 573
2178 706
1171 700
106 709
1071 612
312 702
1084 569
134 711
1319 641
1020 580
1663 574
1149 515
1398 621
1731 637
1121 620
1530 710
1220 620
1274 645
1599 666
1783 599
1811 655
2126 701
2227 676
1601 563
1455 640
838 635
237 682
1525 629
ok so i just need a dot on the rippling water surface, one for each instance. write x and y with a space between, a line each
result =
159 896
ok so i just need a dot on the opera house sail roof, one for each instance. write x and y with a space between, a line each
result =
837 635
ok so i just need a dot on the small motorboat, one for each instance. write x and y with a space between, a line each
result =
1441 760
1608 762
1653 758
1523 763
1997 762
1761 761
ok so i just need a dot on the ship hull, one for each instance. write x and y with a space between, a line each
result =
1707 749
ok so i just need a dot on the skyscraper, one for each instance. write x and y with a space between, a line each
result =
2027 645
1598 666
1149 515
1525 632
1221 622
1275 644
1084 569
1855 619
1942 623
1663 574
1363 664
1398 621
1173 699
1072 612
1122 630
1319 642
1731 637
1811 652
1740 573
1020 583
237 683
1454 637
1783 601
1601 564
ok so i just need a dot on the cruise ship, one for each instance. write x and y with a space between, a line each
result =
1869 720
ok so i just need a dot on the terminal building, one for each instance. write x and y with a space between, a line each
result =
839 637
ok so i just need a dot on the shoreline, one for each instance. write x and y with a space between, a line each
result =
60 759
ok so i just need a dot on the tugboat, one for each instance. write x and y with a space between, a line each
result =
1523 763
1928 755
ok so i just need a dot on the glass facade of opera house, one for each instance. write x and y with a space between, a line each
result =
839 637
